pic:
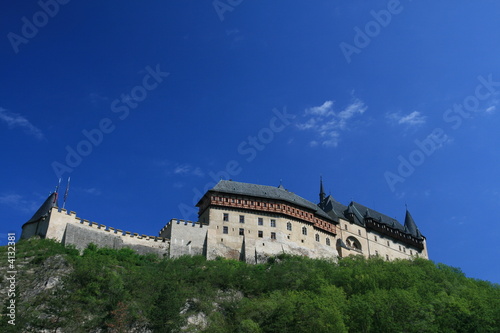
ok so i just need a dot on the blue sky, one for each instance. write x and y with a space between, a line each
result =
145 106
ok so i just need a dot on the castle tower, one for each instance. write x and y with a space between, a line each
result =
411 226
322 194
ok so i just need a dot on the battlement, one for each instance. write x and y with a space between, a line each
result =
71 217
166 230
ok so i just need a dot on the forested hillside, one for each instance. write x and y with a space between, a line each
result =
118 291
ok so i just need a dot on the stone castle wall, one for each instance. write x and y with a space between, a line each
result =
72 230
240 241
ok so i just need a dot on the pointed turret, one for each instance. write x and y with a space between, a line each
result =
44 209
322 194
410 226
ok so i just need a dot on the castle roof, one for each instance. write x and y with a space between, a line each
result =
269 192
45 208
333 208
411 226
362 212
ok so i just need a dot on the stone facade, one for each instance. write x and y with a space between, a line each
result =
249 222
68 229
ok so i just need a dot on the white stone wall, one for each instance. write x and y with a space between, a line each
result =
186 237
250 247
68 229
376 244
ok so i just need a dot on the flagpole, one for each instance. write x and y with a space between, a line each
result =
66 193
57 192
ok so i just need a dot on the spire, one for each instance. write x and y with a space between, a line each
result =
322 194
410 226
45 208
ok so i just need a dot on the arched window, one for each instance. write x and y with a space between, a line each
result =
304 231
317 237
289 226
353 243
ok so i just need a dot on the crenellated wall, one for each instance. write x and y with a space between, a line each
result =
69 229
186 237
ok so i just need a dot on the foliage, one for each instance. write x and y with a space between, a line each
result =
120 291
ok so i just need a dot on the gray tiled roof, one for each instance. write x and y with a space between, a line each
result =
270 192
411 227
44 209
362 211
333 207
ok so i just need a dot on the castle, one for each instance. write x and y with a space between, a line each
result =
248 222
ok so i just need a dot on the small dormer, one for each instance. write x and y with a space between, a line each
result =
367 216
350 212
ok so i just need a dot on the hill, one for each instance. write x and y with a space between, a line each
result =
102 290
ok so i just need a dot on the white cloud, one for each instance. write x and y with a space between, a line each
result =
328 124
491 109
14 120
412 119
187 169
182 169
17 202
92 191
323 110
97 99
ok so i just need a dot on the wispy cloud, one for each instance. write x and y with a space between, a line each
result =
328 124
92 191
491 109
412 119
187 169
14 120
17 202
97 99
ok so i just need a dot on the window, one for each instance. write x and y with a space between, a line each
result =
386 257
289 226
328 241
399 247
411 252
242 218
375 238
260 233
261 221
242 232
353 243
359 232
304 231
345 226
273 235
273 223
225 217
225 230
388 243
317 238
376 253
